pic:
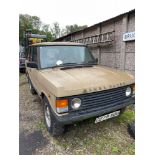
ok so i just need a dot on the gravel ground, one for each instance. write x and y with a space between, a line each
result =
106 138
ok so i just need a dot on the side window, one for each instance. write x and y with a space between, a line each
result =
29 54
34 54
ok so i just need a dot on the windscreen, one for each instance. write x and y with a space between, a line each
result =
58 55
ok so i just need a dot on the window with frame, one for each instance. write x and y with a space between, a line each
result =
29 54
34 54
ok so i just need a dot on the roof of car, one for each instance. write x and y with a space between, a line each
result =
57 43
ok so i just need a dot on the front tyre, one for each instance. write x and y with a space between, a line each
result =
52 125
131 129
33 91
122 111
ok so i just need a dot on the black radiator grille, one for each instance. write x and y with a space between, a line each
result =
101 99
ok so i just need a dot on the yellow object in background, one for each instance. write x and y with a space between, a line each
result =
36 40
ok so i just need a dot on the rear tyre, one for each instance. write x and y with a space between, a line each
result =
52 125
32 90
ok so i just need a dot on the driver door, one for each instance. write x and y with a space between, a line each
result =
33 72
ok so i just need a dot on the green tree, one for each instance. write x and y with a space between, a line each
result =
34 23
24 23
56 30
63 32
45 27
74 28
28 22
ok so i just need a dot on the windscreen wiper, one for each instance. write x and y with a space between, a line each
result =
64 64
76 66
79 64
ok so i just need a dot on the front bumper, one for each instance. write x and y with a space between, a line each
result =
76 117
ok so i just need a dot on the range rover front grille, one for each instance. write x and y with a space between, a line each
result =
100 100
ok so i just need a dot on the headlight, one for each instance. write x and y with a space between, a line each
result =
128 91
76 103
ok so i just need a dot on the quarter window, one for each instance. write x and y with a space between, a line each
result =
34 54
29 54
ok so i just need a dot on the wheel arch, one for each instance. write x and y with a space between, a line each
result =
50 97
42 95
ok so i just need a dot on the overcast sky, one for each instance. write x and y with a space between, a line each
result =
81 12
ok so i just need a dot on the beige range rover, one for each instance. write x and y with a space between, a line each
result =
73 87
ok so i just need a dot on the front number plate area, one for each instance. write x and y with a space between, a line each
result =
107 116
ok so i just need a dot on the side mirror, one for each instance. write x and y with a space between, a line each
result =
32 65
